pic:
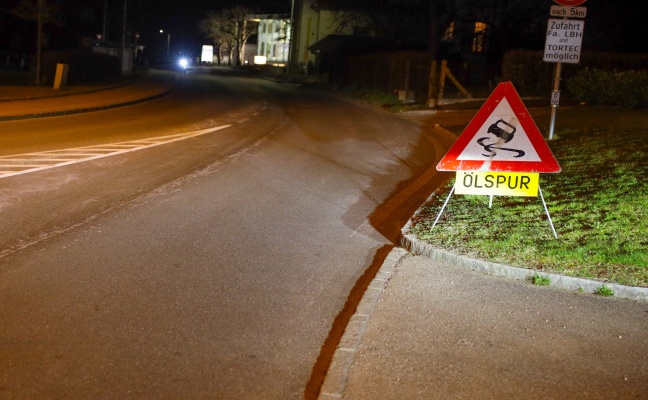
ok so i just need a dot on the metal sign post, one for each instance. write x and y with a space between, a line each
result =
554 103
563 45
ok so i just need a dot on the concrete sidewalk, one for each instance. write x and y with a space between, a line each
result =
429 329
151 85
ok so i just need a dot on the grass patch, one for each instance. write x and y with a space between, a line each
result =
540 280
604 291
599 206
385 100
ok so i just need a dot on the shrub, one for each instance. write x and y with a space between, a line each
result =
597 87
532 76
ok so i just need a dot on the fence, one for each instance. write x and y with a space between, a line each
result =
410 72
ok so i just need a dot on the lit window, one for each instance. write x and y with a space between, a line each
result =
478 44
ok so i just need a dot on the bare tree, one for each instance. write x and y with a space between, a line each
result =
243 28
398 20
348 22
229 29
41 11
214 27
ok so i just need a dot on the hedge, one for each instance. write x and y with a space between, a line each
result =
532 76
598 87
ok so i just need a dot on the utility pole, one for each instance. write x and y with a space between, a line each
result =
105 21
39 41
168 41
122 47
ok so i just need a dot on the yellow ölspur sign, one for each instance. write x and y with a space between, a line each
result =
497 183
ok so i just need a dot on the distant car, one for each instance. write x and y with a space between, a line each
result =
184 64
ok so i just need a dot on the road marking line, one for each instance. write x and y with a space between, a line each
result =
359 227
22 165
88 153
32 160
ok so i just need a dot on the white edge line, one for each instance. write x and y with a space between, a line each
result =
176 139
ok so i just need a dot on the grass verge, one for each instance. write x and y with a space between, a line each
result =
599 206
387 101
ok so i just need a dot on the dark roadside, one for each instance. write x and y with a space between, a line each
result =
21 99
19 85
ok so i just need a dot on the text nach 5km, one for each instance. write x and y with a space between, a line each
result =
497 183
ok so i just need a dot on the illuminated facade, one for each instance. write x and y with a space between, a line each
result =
273 40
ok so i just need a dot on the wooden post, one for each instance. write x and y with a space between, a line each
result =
407 77
444 67
432 86
445 72
458 85
60 79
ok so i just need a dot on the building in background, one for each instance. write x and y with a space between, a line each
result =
314 20
273 38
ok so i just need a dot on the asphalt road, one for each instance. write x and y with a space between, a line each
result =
221 266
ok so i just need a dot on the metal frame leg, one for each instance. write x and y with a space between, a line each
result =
443 208
547 211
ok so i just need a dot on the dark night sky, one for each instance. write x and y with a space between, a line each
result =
194 10
85 17
182 16
610 26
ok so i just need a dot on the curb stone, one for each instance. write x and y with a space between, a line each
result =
344 356
418 247
65 94
85 110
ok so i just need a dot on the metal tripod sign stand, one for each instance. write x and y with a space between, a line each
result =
501 152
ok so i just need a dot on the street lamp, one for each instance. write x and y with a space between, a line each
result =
168 40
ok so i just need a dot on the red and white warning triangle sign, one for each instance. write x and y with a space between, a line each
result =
502 137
